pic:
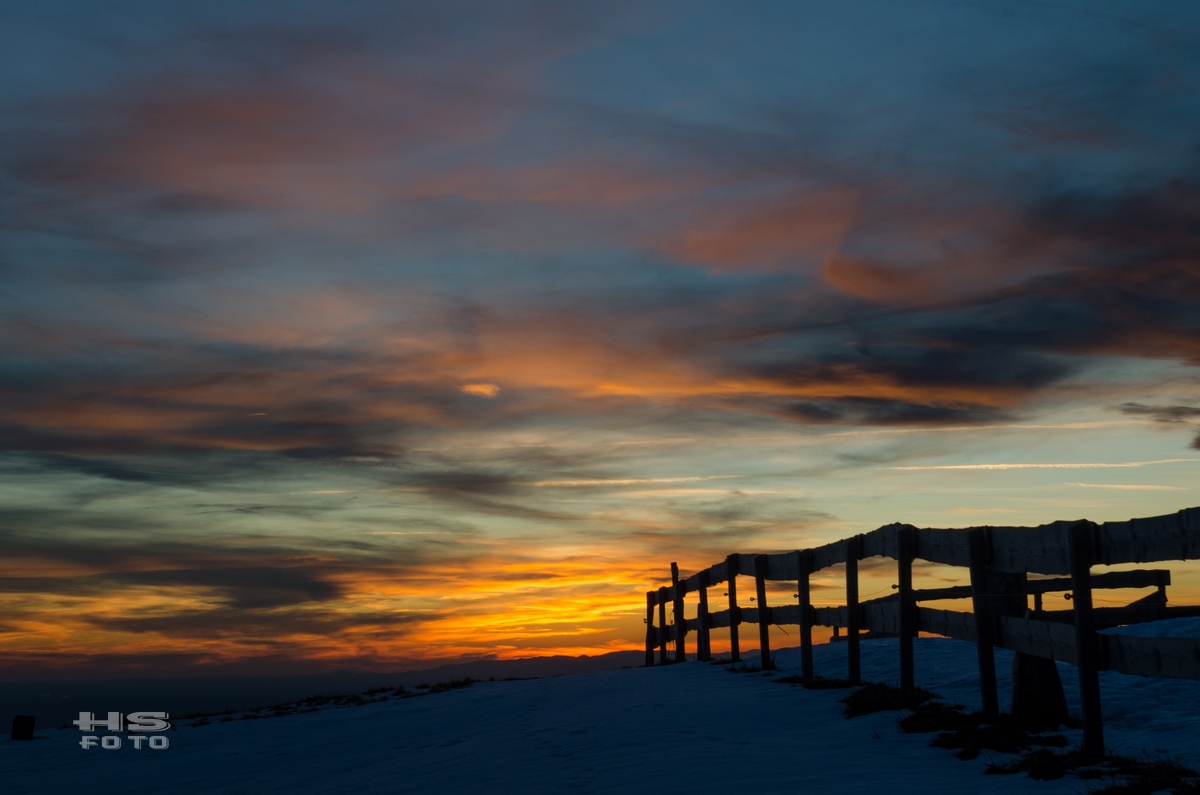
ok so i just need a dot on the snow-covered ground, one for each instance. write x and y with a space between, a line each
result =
1142 715
691 728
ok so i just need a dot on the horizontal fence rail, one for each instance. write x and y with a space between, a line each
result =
1000 560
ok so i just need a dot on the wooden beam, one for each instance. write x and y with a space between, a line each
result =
1039 638
828 555
1043 549
649 628
803 590
831 616
948 623
785 614
881 542
1172 537
764 613
1127 654
718 619
735 618
1021 550
703 649
1012 549
951 592
853 661
780 566
1176 658
906 547
680 621
662 626
1139 578
714 575
1081 542
979 549
943 546
1139 612
881 618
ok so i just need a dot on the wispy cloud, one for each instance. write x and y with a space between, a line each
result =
984 427
627 481
1126 487
1169 414
1051 466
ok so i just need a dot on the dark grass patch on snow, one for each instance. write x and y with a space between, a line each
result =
878 697
1125 775
744 669
970 733
453 684
319 702
1001 735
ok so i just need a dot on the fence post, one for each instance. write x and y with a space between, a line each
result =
764 613
735 615
662 626
650 628
1082 546
853 622
804 568
906 551
680 621
703 646
985 630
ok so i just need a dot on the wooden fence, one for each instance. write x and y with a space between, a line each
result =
999 560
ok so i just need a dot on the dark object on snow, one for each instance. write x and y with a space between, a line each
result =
1037 696
22 728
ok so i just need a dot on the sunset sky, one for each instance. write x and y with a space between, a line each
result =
351 334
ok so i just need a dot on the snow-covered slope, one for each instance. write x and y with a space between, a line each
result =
1142 715
690 728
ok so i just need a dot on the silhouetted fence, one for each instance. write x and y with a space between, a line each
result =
999 560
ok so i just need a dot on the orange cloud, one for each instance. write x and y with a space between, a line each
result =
866 279
284 144
481 390
293 394
767 234
505 603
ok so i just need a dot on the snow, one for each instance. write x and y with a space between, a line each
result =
694 728
1143 716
